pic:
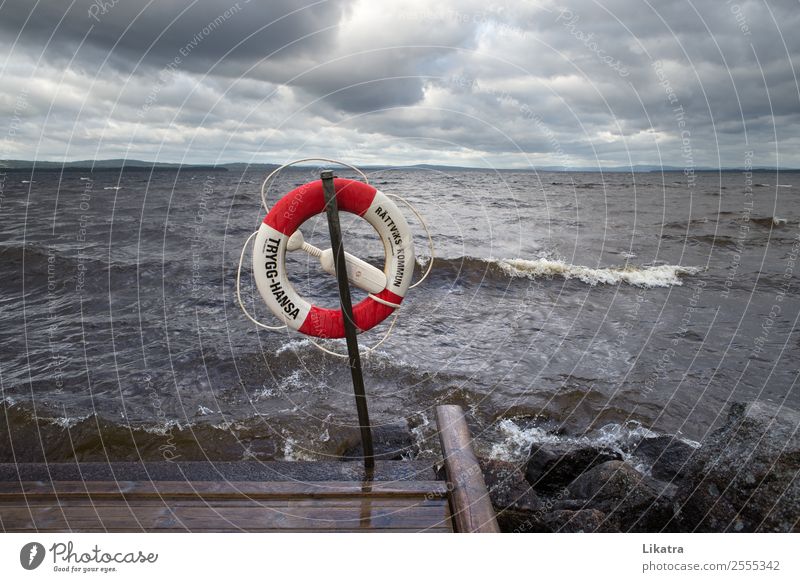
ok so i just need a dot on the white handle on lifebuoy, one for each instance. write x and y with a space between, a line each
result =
360 273
264 187
285 218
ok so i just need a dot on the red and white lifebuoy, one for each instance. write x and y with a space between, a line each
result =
269 257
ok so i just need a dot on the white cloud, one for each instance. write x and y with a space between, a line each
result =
502 83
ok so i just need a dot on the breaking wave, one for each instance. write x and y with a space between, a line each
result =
638 276
651 276
769 221
515 438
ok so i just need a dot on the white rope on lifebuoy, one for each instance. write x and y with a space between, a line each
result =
284 301
275 172
283 220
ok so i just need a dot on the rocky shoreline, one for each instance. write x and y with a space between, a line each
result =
745 477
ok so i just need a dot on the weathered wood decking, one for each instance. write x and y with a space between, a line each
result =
253 497
469 499
233 506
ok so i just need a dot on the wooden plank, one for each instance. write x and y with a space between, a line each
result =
249 503
469 499
210 489
218 471
445 529
224 506
233 502
244 517
319 512
137 518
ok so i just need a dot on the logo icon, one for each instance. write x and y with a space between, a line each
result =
31 555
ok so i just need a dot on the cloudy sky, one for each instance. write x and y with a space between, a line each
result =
484 83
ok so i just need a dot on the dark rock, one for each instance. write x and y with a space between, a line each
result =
513 521
663 488
507 486
571 504
581 521
391 442
629 500
553 466
744 477
668 455
610 480
530 513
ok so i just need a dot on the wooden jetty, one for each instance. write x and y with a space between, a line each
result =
397 496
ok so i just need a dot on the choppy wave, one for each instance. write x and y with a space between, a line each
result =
96 438
638 276
769 221
739 217
684 224
718 240
515 439
650 276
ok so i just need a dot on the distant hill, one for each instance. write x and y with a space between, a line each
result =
609 169
245 167
241 167
116 164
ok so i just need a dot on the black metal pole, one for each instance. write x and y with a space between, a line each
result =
340 264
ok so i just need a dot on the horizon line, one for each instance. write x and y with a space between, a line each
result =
23 164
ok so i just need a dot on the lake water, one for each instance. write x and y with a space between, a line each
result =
610 303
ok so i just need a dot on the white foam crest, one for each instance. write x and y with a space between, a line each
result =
623 436
293 345
295 380
655 276
67 421
292 453
164 429
420 436
266 393
516 441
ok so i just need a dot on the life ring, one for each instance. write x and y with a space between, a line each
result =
269 257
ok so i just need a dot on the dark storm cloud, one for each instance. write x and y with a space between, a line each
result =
454 81
366 82
158 30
